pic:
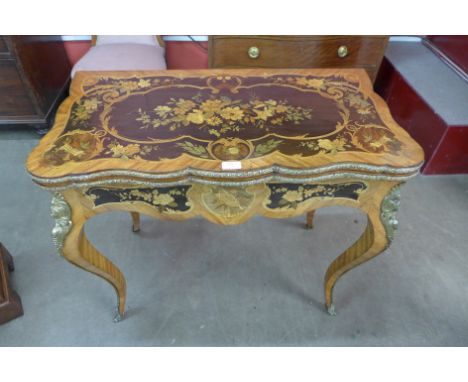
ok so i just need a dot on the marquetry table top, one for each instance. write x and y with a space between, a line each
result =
176 124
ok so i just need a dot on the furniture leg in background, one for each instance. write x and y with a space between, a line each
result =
10 302
310 219
135 221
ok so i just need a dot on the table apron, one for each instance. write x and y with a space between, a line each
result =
230 205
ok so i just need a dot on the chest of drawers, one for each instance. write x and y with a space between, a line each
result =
298 52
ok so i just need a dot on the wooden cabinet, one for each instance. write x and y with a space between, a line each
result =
3 46
298 52
10 302
34 73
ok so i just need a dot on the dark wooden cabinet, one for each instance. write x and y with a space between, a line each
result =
298 52
34 75
10 302
3 46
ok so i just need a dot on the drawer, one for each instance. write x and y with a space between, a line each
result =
298 52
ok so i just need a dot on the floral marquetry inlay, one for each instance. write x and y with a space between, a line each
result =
165 199
221 115
156 118
226 203
289 195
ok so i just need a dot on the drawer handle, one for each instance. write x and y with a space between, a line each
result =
342 51
253 52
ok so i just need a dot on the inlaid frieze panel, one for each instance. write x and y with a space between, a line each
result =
226 202
290 195
165 199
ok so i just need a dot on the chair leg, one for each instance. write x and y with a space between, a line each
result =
135 221
310 219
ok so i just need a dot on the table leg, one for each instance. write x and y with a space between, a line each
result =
69 236
381 224
135 221
310 219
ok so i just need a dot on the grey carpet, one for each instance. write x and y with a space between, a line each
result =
193 283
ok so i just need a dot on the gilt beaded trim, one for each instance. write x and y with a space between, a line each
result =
269 179
230 174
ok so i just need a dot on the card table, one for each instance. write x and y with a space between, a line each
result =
224 144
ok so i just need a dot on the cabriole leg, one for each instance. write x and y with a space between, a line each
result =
381 224
71 242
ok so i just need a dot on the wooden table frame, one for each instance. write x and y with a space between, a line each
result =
369 182
72 208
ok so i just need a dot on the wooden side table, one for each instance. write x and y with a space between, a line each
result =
225 145
10 302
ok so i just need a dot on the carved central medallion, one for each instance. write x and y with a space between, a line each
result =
227 201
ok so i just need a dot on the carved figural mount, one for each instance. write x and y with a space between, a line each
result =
61 213
390 206
156 143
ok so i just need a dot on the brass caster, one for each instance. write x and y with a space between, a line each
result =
331 310
117 316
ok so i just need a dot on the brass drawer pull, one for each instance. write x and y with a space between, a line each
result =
253 52
342 51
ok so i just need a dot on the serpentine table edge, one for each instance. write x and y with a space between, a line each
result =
276 185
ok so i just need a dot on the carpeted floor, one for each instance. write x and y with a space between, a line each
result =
193 283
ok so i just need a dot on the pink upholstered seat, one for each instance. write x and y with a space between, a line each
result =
126 56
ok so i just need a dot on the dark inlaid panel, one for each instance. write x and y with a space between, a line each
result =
289 195
172 199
